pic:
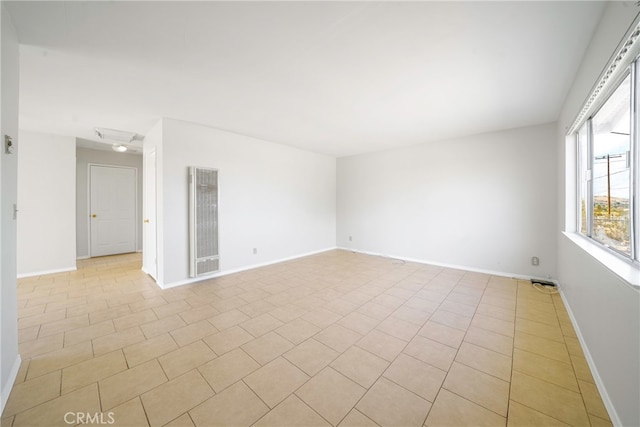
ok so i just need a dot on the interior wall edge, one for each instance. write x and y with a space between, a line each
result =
13 374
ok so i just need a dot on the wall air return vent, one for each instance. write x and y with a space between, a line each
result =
203 221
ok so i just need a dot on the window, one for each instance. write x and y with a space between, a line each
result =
607 191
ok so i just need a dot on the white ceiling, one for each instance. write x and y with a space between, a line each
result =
339 78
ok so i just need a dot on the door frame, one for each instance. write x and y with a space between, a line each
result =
135 207
147 175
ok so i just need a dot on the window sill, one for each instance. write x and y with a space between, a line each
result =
627 271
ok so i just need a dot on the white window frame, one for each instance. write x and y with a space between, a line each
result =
627 268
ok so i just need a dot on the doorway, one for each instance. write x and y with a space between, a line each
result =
112 210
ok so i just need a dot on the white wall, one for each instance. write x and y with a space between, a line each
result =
46 196
84 156
486 202
275 198
605 308
9 76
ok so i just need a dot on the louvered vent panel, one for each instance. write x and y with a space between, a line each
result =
203 226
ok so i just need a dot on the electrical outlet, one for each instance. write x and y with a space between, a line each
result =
255 251
535 261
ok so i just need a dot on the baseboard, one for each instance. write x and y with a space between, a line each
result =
453 266
42 273
6 388
238 270
83 257
615 419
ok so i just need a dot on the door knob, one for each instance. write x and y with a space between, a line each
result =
146 221
94 216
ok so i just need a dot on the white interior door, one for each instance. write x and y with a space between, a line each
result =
149 232
112 210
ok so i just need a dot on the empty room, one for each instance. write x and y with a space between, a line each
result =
341 213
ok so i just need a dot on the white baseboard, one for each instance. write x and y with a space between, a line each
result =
6 388
237 270
42 273
83 257
615 419
453 266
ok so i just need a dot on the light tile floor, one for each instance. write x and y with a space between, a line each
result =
336 338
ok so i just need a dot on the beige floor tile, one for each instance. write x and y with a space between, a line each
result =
108 314
490 340
41 319
522 416
288 313
542 346
311 356
87 333
581 368
550 370
225 370
457 307
228 339
52 413
450 409
398 328
338 337
199 313
169 400
375 310
322 317
389 404
267 347
331 394
451 319
497 312
134 319
573 346
228 319
63 325
193 332
160 326
485 360
186 358
539 329
416 376
359 365
411 315
32 393
599 422
504 327
182 421
356 418
537 316
126 385
359 322
292 412
431 352
550 399
41 346
149 349
7 422
59 359
147 304
487 391
442 333
128 414
592 400
382 345
271 391
235 406
28 334
172 308
92 370
260 325
117 340
298 330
